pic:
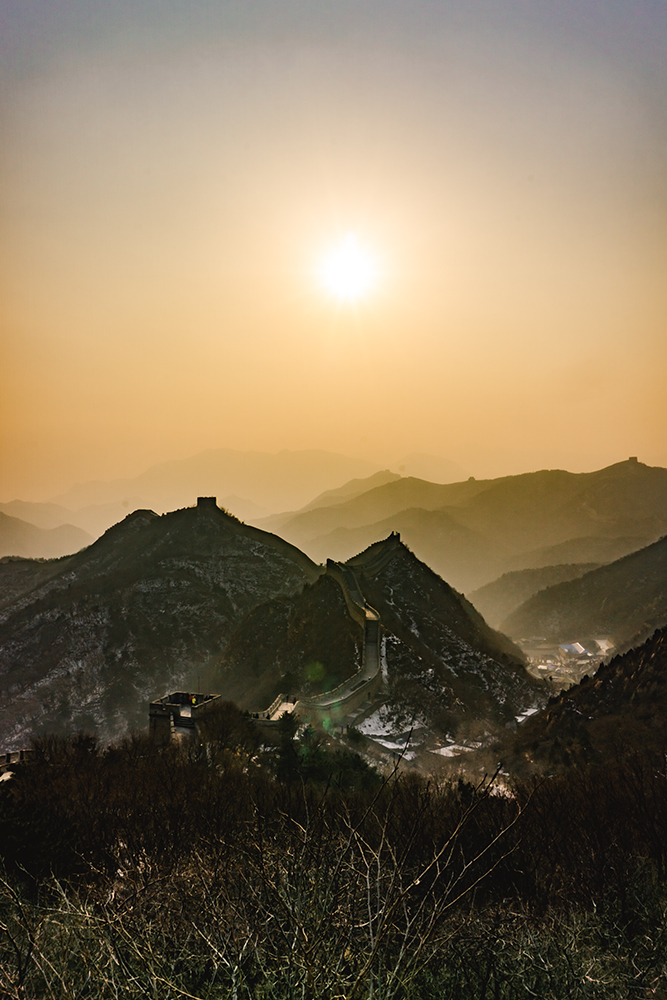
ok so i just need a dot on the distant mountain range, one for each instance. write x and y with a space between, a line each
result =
625 601
348 491
167 602
431 467
250 485
497 600
273 482
474 531
471 532
92 520
20 538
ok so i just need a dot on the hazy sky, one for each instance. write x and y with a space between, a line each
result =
172 174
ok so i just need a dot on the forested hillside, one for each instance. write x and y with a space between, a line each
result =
625 600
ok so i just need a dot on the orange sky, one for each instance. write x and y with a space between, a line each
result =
169 186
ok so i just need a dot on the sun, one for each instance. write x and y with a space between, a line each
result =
348 271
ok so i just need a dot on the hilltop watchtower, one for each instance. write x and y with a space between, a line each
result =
178 714
207 502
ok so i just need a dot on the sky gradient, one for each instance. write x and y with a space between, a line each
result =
172 174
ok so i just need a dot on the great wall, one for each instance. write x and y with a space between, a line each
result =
343 706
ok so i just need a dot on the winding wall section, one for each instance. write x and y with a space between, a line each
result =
333 706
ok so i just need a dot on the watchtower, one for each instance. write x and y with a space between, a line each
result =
178 714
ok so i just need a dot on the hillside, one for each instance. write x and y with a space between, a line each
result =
329 498
473 532
87 641
625 601
19 538
443 662
19 576
550 507
304 644
588 549
620 711
500 598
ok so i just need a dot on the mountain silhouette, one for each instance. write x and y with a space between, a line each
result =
164 602
87 641
624 601
282 481
20 538
497 600
473 532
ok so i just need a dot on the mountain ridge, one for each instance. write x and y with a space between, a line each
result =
161 599
443 661
626 600
86 641
519 520
20 538
277 481
498 599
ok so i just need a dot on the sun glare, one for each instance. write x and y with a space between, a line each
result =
348 271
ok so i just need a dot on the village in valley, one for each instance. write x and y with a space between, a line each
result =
564 664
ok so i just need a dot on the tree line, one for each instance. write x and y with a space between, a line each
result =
222 869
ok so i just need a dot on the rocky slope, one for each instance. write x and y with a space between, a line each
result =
87 641
443 662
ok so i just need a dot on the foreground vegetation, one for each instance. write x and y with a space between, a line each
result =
214 872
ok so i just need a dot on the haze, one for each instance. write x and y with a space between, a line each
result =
173 175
